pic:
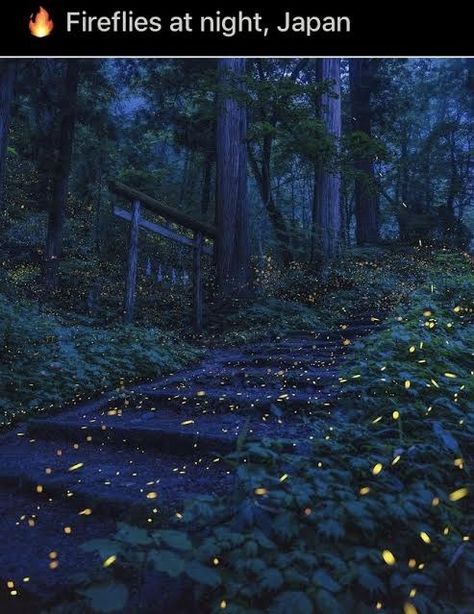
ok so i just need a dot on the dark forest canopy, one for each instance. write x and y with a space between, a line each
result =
333 153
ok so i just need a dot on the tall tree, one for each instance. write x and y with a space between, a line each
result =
62 171
233 249
327 201
362 72
7 83
272 113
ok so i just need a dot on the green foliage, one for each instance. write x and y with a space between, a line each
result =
420 365
377 511
364 280
46 361
268 318
110 597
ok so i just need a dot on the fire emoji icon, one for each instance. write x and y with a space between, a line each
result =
41 24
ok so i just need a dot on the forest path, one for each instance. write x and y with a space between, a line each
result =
66 479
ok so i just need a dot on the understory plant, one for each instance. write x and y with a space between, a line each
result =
375 515
46 361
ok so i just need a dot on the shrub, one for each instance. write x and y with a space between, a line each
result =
46 361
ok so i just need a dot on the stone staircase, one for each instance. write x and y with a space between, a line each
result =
66 478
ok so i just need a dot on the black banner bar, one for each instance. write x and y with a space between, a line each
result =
86 28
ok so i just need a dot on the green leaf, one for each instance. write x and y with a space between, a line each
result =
175 539
110 597
286 525
167 562
104 547
397 580
323 579
271 579
295 602
369 581
202 574
331 528
445 437
327 602
134 536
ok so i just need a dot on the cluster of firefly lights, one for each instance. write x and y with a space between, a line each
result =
460 493
53 556
201 403
387 556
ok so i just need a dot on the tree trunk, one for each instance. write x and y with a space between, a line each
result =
207 183
7 84
366 201
327 205
404 181
454 183
197 283
263 177
233 248
61 174
45 128
262 170
185 178
314 252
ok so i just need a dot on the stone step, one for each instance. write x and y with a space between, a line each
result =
213 373
322 343
31 528
310 349
289 360
194 398
274 377
110 457
181 432
166 441
349 329
110 480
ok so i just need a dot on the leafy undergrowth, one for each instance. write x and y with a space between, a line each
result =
364 281
421 365
375 516
266 319
46 362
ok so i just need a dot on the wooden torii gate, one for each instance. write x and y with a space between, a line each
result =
201 230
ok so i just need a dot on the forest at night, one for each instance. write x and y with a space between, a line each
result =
236 334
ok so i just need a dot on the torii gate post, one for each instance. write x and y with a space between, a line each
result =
132 266
140 200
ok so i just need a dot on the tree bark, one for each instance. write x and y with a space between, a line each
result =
197 283
327 205
45 127
233 245
454 183
61 174
262 172
314 252
207 184
277 219
7 85
366 201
